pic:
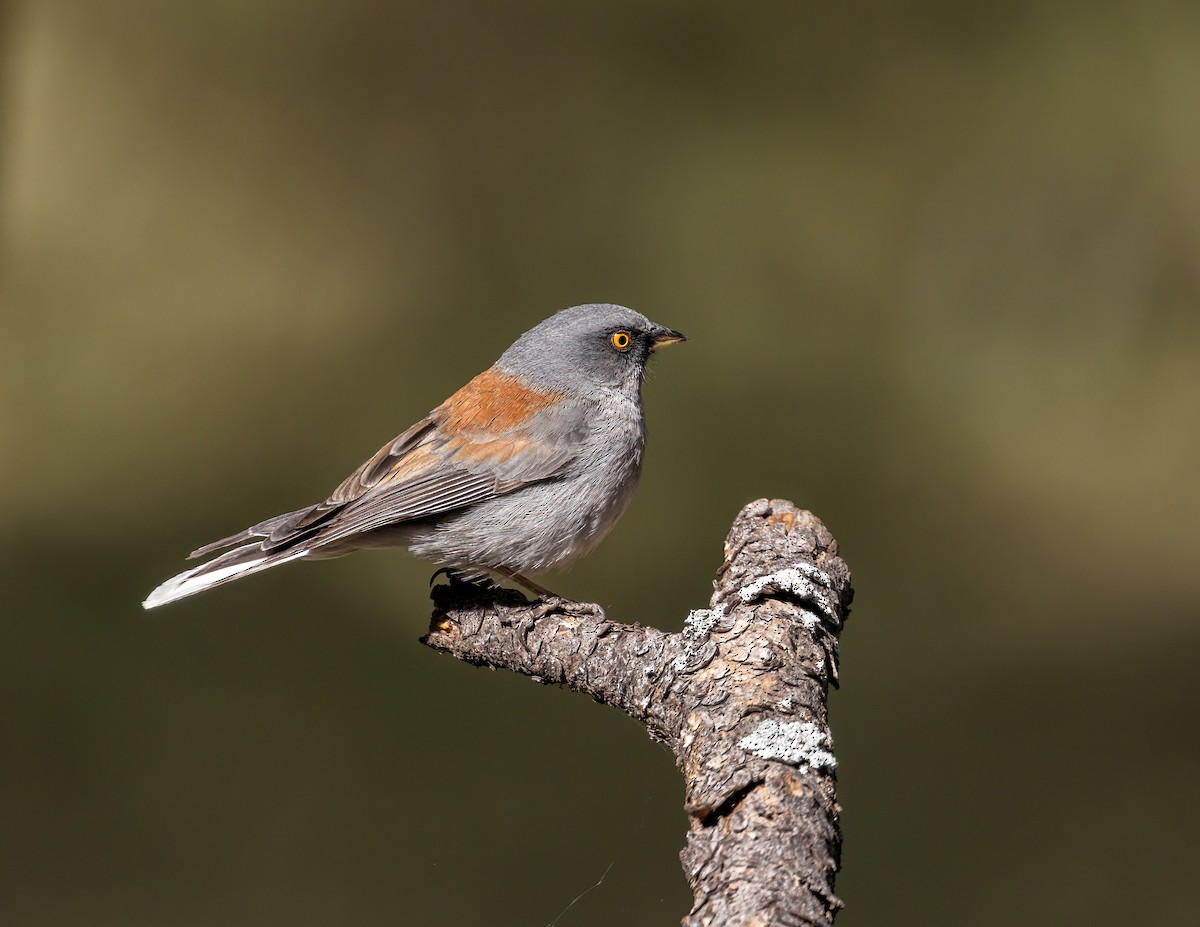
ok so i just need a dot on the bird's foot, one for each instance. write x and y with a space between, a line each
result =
549 601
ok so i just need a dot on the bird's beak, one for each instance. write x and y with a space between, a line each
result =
664 337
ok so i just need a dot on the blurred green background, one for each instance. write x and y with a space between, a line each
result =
940 268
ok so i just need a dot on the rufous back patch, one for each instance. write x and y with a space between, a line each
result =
492 402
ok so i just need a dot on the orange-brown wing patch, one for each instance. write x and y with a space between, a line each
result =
493 402
500 450
415 463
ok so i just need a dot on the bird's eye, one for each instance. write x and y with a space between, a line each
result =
620 340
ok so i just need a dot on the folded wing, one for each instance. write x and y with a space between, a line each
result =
492 437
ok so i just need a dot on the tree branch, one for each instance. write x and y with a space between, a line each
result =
739 695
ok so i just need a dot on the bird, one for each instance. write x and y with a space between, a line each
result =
523 470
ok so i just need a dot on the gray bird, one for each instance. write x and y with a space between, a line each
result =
524 469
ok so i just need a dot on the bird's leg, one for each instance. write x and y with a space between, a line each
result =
540 591
551 601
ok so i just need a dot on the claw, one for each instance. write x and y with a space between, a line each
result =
461 577
442 570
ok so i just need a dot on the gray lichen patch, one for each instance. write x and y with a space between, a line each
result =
696 629
800 743
700 621
802 581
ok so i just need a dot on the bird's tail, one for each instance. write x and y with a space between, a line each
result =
285 537
239 562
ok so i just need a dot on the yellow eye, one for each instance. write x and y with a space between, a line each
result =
620 340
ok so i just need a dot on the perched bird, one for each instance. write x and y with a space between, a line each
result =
524 469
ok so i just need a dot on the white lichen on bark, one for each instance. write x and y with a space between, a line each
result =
800 743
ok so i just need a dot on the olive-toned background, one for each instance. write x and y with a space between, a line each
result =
940 267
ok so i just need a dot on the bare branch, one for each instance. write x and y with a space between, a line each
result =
739 695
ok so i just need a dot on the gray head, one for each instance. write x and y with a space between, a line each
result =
584 347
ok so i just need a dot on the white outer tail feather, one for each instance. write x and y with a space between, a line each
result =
197 579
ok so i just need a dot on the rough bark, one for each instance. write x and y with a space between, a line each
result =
739 695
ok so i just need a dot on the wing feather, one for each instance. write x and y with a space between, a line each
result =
492 437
